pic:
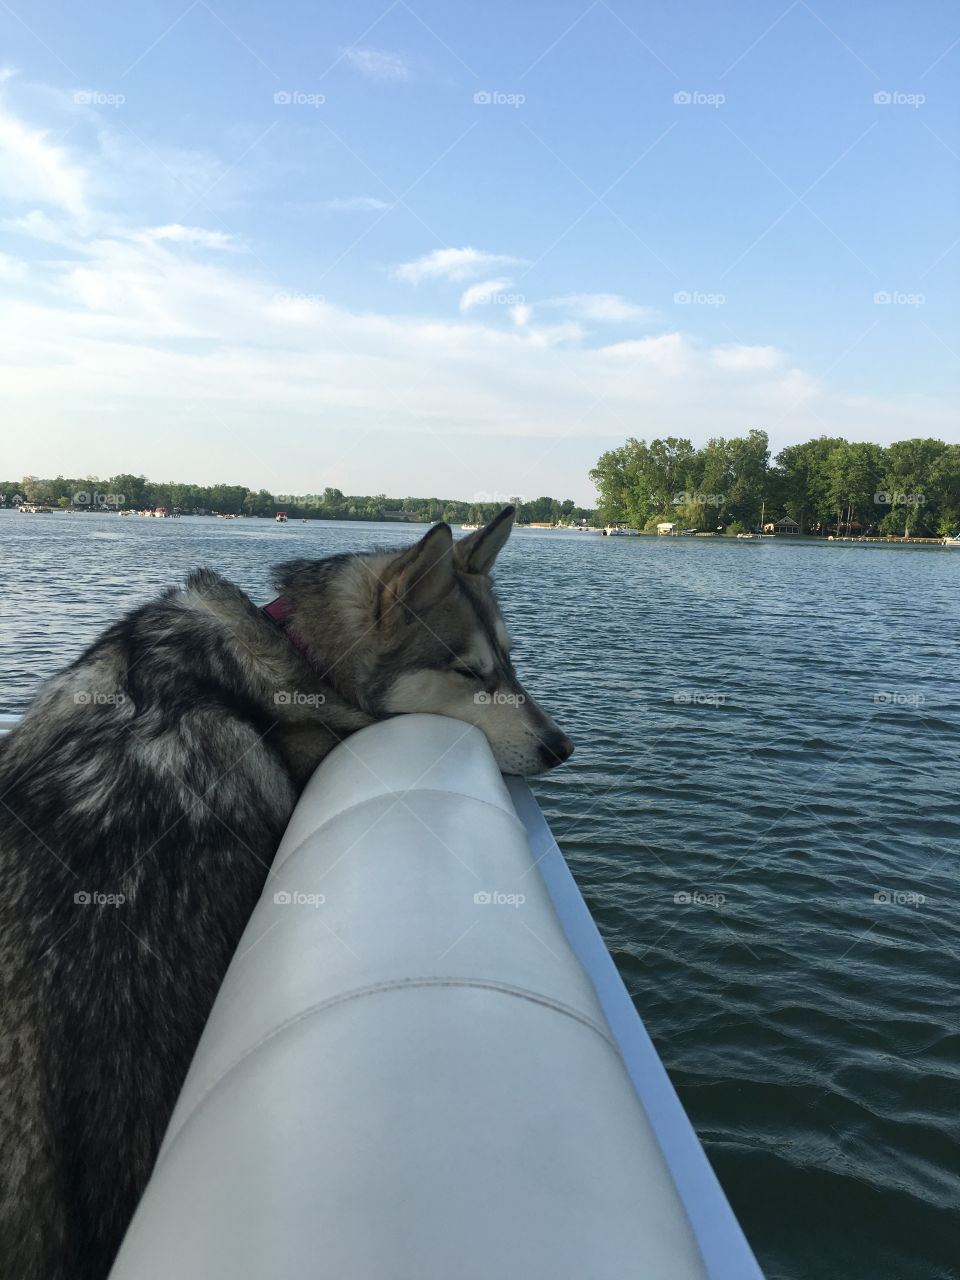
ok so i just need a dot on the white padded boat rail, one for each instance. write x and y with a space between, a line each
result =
415 1068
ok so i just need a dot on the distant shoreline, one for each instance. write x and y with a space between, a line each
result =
783 539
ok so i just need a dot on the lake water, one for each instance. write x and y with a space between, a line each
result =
762 812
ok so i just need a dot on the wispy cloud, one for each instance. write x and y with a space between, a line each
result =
484 292
36 170
747 358
198 236
602 308
141 319
369 204
378 64
452 264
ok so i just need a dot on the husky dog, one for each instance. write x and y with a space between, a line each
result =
142 798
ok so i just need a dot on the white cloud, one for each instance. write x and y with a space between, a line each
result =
198 236
747 358
378 64
451 264
38 226
603 308
141 350
366 203
35 170
11 268
484 292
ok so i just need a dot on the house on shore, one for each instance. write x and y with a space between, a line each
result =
786 524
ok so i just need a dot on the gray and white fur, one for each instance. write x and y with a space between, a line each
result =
142 798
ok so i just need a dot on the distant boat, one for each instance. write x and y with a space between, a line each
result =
620 531
281 517
469 528
749 537
952 539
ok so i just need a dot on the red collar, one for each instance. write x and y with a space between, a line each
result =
278 611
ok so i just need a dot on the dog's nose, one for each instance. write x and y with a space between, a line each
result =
556 749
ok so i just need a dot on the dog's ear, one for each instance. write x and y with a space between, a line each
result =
477 552
421 575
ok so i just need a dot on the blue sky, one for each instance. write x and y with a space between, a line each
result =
426 248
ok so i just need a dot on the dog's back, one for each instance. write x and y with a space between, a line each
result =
142 799
125 890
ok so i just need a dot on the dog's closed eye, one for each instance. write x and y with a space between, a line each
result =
467 673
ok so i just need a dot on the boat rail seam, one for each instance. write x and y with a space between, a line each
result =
510 813
380 988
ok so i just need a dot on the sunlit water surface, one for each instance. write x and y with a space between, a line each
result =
762 813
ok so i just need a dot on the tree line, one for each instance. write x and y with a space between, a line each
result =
91 493
827 485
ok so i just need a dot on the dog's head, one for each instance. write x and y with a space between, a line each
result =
421 631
